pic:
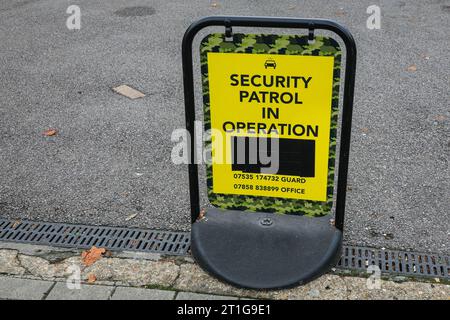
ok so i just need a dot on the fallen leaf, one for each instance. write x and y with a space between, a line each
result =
92 278
340 12
108 254
134 243
50 132
201 215
439 118
412 67
131 217
89 257
16 223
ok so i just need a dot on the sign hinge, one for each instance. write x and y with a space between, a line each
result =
311 35
228 29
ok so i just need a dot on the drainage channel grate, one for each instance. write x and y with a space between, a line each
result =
178 243
84 237
395 262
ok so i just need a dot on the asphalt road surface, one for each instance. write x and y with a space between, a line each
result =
111 157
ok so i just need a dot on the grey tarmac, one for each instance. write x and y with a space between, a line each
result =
110 158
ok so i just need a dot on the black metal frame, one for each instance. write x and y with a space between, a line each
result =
271 22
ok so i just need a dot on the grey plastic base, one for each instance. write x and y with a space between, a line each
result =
244 249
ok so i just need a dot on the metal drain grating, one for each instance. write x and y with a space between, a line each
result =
84 237
178 243
395 262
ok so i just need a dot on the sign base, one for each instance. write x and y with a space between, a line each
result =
258 250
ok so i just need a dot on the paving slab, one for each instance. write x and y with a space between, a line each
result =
199 296
128 293
23 289
87 292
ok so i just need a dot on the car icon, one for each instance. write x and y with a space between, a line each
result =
270 64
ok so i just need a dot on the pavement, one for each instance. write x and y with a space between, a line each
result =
110 159
28 289
43 273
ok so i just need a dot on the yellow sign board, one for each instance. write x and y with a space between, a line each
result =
281 106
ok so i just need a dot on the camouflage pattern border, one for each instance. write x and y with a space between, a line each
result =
273 44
